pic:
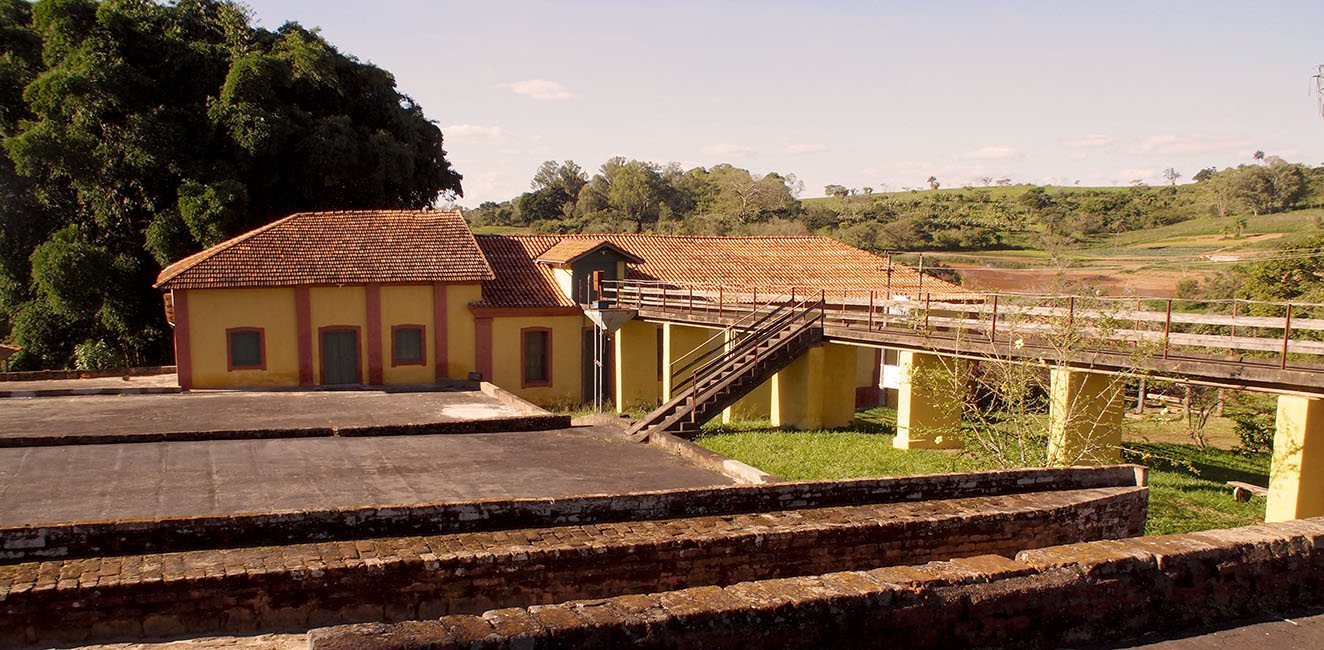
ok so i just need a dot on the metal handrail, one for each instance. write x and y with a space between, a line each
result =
720 333
743 346
758 325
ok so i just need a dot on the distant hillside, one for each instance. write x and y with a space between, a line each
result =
1136 237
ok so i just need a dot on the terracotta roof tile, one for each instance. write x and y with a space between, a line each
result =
519 281
806 262
569 250
319 248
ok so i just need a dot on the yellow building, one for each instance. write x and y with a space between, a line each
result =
414 297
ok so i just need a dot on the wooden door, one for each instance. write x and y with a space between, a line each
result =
340 356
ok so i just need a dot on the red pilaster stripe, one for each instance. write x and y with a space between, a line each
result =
483 339
303 322
440 352
374 294
183 346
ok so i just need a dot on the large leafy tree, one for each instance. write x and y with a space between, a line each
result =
139 132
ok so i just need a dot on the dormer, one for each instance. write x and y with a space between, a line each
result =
574 261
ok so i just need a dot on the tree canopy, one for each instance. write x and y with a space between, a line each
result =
137 133
633 196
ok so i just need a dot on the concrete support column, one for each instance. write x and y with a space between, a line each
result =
817 391
929 402
637 382
677 343
757 405
1296 478
1085 418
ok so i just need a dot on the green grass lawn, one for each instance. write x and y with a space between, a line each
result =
1187 491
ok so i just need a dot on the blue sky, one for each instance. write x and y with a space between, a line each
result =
880 94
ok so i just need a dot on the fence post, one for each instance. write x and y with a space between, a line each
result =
1287 333
1234 317
720 301
1167 328
1071 311
691 300
926 312
993 332
822 306
871 295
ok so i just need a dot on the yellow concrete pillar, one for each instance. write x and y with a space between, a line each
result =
817 391
930 397
678 341
1296 478
757 405
638 384
1085 418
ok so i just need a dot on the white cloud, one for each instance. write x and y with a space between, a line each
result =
539 89
727 149
1076 155
475 132
1090 142
804 148
992 153
1191 145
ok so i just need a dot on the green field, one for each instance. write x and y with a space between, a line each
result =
1187 483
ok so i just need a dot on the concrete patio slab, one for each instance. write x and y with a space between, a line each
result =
42 485
119 417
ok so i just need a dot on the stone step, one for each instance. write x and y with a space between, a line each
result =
306 585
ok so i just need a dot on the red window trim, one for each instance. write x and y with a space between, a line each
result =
422 345
525 382
358 348
261 348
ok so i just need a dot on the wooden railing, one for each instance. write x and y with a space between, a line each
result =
1223 331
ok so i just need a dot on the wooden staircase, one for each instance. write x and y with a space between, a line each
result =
717 377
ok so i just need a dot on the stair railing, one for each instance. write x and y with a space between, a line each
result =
767 327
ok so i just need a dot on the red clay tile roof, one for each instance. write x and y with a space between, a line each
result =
320 248
568 250
519 281
805 262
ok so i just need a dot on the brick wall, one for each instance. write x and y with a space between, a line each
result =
308 585
89 538
1069 595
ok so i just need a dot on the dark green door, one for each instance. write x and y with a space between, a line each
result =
340 357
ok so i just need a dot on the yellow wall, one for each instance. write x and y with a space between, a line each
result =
1084 418
678 342
817 391
929 402
212 311
567 358
408 304
864 367
335 306
755 405
637 384
1296 479
461 347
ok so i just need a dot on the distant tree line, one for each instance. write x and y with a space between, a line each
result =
637 196
633 196
138 132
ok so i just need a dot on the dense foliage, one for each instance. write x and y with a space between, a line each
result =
139 132
635 196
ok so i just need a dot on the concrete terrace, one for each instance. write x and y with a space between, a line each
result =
171 479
